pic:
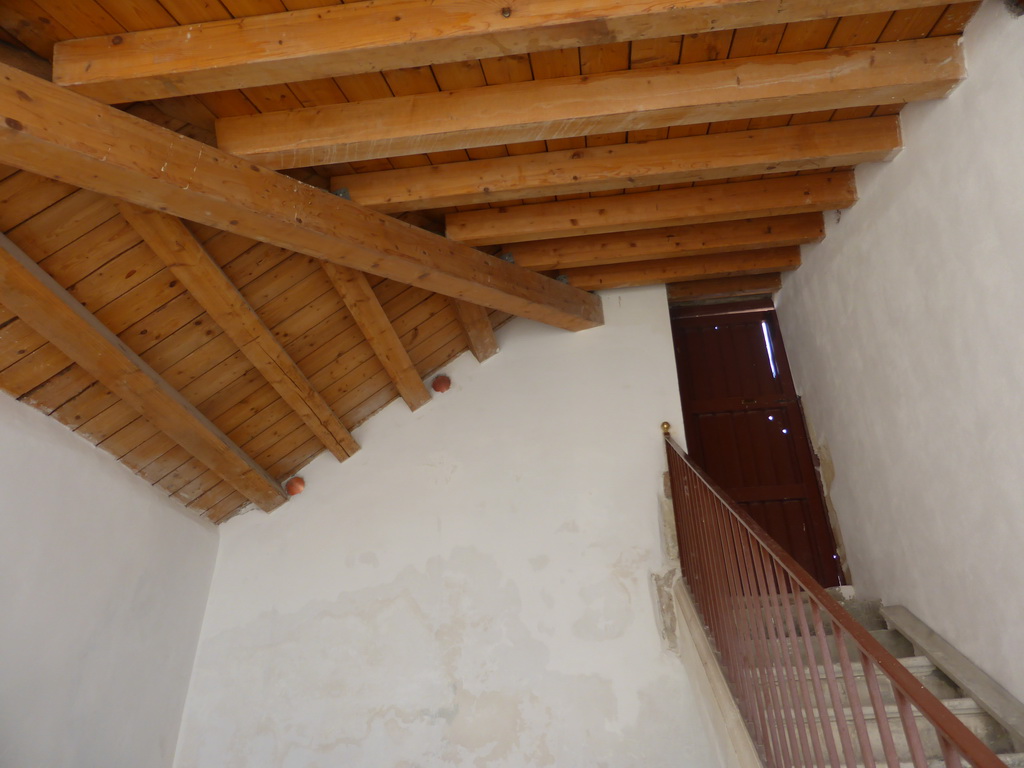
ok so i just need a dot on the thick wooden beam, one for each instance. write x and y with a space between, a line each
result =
185 256
666 208
671 161
669 243
686 268
52 312
566 107
724 288
392 34
57 133
365 308
479 331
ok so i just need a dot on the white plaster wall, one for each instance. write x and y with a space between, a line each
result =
471 589
103 584
905 329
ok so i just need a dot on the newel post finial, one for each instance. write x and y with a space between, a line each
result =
665 428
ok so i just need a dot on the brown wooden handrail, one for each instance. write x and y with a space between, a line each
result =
746 588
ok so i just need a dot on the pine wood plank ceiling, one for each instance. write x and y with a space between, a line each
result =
216 324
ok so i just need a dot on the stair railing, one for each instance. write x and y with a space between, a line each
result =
798 664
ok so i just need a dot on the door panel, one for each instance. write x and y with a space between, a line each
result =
744 426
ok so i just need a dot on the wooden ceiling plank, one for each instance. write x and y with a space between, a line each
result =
33 370
393 34
724 287
54 132
476 323
648 245
804 81
687 268
693 158
42 302
664 208
185 256
365 308
58 389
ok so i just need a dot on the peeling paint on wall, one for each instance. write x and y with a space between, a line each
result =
487 604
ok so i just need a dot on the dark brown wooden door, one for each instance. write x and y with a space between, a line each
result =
745 427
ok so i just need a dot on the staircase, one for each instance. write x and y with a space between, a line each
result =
823 680
990 713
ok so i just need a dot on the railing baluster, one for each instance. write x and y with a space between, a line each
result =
755 695
892 759
787 712
781 747
819 696
785 645
742 583
794 646
838 709
950 754
738 623
909 721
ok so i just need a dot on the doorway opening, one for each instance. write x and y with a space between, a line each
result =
745 427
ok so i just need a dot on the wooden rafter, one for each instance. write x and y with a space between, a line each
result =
365 308
668 243
392 34
670 161
587 104
724 287
26 289
665 208
56 133
686 268
185 256
479 332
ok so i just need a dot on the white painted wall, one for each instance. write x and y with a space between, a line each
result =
905 329
472 587
102 590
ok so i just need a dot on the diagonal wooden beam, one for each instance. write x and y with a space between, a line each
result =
623 166
366 310
670 242
724 287
687 268
479 331
566 107
185 256
392 34
57 133
51 311
665 208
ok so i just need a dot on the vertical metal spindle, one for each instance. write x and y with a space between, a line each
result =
838 711
950 754
775 711
856 709
784 659
802 684
819 696
892 759
909 721
741 670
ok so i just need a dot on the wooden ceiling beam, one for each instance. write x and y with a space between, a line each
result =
724 287
56 133
393 34
566 107
686 268
39 300
476 323
697 158
185 256
671 242
366 310
663 208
